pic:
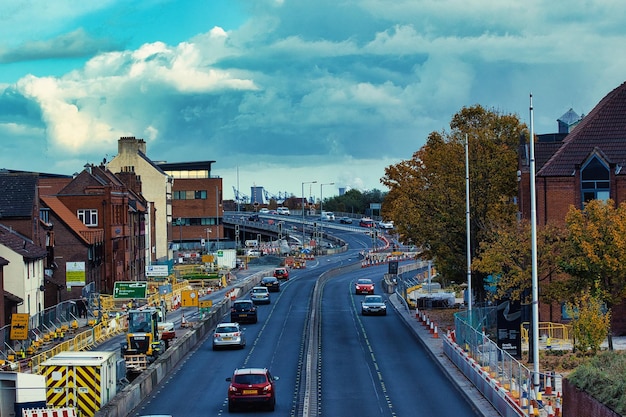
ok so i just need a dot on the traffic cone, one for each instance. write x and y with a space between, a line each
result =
183 321
435 334
549 384
557 408
431 327
549 409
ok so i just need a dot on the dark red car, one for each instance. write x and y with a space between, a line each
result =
251 387
364 286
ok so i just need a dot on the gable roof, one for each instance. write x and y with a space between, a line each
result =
603 128
21 244
89 235
18 193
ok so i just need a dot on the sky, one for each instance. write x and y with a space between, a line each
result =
281 93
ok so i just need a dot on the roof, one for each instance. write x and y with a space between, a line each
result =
12 297
18 193
89 235
603 129
21 244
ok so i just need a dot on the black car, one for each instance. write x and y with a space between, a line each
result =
243 311
254 218
345 220
271 283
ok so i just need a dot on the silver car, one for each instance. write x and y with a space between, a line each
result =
260 295
228 335
373 304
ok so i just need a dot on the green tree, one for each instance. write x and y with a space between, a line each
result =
426 198
594 256
590 324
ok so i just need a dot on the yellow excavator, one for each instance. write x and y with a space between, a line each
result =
143 343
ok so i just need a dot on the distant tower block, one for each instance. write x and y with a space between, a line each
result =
256 195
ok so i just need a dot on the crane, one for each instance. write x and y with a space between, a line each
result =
239 197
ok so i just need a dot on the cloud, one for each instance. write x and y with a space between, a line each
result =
326 90
70 45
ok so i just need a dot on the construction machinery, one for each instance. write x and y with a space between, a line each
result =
144 341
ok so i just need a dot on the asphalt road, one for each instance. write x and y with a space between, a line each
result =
370 366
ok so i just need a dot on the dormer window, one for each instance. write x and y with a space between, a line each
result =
595 181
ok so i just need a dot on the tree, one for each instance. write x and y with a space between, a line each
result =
426 198
507 255
590 324
595 252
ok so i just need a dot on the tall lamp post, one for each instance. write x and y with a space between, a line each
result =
321 203
180 228
306 182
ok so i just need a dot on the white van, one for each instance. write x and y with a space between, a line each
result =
282 210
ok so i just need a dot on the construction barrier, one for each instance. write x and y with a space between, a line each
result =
49 412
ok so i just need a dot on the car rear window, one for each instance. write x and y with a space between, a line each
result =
243 306
230 329
250 379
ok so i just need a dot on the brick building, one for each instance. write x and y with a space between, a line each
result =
197 209
587 163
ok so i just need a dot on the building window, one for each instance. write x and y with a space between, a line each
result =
180 195
200 195
595 181
44 215
88 216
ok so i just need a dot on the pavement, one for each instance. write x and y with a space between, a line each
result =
435 347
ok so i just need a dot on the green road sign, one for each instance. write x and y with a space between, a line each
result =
133 289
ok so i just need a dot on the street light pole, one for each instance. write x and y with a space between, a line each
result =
208 239
180 228
321 203
306 182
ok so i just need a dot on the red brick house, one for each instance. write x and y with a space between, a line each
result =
588 163
100 224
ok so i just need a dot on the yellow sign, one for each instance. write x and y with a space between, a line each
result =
189 298
19 326
205 303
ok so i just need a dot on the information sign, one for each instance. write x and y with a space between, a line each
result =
130 289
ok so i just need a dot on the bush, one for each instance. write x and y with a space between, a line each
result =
604 378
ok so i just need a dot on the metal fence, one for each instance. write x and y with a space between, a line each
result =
501 368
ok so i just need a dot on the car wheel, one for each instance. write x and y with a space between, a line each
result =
215 347
255 320
272 405
231 407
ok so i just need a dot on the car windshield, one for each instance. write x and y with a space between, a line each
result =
375 299
364 281
250 379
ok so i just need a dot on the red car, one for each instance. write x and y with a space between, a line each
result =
251 386
364 286
364 222
281 273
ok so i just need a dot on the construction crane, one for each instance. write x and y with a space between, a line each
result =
239 197
269 196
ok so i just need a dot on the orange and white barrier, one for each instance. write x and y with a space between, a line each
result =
49 412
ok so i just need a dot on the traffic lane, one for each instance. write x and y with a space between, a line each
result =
274 342
351 382
198 387
380 367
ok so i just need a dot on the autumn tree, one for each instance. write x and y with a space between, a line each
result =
426 197
506 253
594 257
